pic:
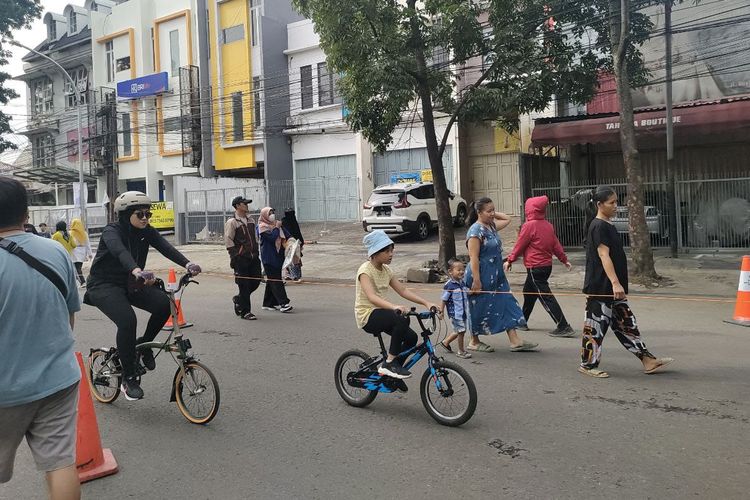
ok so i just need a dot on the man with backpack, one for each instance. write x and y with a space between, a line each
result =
240 237
40 375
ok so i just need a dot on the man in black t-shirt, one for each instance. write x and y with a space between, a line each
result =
606 285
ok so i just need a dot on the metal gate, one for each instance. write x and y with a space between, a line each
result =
207 210
409 161
327 189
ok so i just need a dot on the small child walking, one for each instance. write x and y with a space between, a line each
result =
456 300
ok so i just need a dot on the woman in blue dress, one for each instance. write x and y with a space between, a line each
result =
490 312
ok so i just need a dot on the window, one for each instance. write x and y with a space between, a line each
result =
81 78
307 86
256 12
122 64
42 96
72 25
43 151
174 51
238 133
127 141
52 30
109 50
257 91
327 83
233 34
172 124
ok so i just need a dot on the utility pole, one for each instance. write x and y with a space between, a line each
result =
82 195
671 177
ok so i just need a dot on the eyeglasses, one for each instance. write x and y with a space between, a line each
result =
143 214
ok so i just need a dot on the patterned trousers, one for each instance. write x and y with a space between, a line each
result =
600 315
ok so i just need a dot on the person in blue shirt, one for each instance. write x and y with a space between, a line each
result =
40 375
272 240
456 300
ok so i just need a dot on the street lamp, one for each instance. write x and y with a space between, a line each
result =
82 196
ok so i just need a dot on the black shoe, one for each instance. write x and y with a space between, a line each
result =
566 332
236 302
147 357
131 389
401 385
394 370
523 328
249 316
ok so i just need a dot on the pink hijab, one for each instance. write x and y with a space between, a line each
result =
265 224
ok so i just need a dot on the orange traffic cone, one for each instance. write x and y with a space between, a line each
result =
92 461
742 306
169 326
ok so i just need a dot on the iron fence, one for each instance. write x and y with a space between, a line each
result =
206 211
711 212
96 216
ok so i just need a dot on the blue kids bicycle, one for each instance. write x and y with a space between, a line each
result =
448 392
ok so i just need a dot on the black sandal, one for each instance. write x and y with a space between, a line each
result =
446 347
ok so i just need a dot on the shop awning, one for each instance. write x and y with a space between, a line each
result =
689 119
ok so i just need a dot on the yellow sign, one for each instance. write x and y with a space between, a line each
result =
163 215
426 175
505 142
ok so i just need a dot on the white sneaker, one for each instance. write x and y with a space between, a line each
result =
266 308
285 308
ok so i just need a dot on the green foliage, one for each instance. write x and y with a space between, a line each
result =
522 60
16 14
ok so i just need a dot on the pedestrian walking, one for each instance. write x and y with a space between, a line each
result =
63 237
537 242
272 240
244 258
456 300
290 224
44 231
82 252
492 308
606 287
40 374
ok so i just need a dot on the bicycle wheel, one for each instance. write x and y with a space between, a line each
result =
456 404
197 393
349 362
104 377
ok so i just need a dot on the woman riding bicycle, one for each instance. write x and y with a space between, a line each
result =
118 281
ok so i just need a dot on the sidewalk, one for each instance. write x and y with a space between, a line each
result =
334 252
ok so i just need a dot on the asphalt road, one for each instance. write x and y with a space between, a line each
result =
541 430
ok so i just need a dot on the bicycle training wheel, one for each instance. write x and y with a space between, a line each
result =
104 377
456 404
197 393
349 362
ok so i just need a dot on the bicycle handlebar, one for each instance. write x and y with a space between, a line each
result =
184 281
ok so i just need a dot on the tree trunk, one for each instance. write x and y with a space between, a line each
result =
640 246
446 238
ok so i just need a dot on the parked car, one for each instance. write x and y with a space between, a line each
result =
407 208
656 224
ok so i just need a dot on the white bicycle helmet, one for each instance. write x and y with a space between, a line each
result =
130 199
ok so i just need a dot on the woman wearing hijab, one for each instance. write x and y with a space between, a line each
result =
63 237
82 252
272 239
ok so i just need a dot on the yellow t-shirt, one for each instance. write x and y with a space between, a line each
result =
381 279
68 245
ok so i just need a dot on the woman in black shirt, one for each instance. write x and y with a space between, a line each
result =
118 281
606 287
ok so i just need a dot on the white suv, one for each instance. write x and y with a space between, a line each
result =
407 208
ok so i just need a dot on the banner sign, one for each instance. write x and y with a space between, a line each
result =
404 178
144 86
163 215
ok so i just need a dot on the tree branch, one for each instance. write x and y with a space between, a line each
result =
461 104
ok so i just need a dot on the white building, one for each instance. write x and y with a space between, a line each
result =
139 51
335 169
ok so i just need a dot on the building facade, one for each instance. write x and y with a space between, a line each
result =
51 104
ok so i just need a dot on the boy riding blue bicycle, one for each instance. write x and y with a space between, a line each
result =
374 313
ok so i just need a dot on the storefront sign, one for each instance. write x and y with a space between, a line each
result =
405 178
163 215
144 86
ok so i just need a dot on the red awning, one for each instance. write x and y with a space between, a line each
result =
697 119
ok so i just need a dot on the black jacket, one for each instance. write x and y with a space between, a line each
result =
122 249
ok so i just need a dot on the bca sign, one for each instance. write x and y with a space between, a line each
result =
144 86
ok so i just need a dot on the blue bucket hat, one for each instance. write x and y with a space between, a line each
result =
376 241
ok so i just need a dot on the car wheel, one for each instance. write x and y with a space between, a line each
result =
423 228
460 219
